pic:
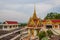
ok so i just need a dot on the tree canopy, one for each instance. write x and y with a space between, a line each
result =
41 35
22 24
50 33
52 16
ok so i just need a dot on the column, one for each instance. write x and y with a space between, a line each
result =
29 32
58 26
35 32
8 27
3 27
17 26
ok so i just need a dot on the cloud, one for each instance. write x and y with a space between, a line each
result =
42 9
12 15
22 10
56 2
52 2
19 1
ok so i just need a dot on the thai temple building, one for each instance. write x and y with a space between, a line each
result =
53 23
34 24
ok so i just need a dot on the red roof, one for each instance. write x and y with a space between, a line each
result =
43 20
54 20
12 22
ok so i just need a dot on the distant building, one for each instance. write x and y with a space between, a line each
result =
9 25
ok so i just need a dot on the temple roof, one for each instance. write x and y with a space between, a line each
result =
12 22
34 14
34 21
53 20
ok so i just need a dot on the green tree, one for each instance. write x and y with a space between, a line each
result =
52 16
45 38
50 33
57 16
41 35
22 24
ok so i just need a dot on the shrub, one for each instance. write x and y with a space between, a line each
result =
50 33
41 35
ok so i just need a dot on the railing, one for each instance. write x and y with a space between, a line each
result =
15 37
24 37
11 33
56 33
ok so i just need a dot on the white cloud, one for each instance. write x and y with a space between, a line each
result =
19 12
52 2
56 2
12 15
7 14
42 9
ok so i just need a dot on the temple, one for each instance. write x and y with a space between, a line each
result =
51 23
34 24
34 21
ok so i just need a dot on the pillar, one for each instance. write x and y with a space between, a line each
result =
35 32
3 27
29 32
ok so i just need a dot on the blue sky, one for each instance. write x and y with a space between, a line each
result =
22 10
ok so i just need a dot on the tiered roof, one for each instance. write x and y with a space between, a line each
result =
53 20
34 20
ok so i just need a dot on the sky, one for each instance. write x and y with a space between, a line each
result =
22 10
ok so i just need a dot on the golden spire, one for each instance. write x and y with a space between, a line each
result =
34 15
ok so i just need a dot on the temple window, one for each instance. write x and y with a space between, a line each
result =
5 26
10 26
59 25
1 26
56 26
13 25
16 25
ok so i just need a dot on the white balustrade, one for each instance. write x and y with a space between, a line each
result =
15 37
11 33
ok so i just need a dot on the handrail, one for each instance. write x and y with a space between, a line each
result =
24 36
15 37
18 35
11 33
55 32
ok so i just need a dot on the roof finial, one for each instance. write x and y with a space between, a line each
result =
34 15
